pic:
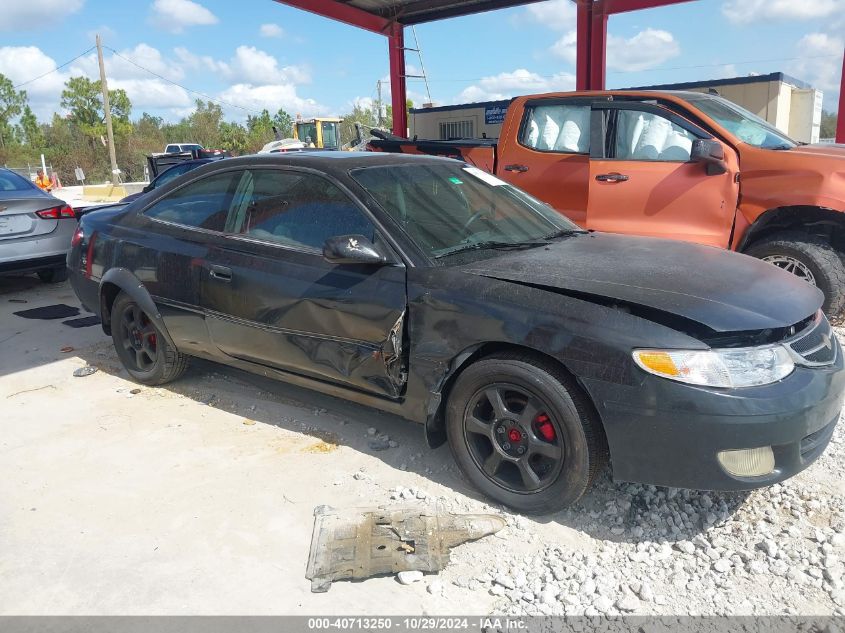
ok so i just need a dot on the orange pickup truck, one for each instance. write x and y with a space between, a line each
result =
681 165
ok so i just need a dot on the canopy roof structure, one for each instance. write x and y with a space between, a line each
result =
390 17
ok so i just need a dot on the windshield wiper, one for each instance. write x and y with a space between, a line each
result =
563 233
491 244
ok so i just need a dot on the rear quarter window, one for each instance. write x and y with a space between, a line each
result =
10 181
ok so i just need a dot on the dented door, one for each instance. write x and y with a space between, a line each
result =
271 298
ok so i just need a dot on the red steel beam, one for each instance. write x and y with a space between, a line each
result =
398 89
623 6
342 13
582 46
598 48
840 117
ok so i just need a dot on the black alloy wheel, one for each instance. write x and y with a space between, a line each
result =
513 439
141 347
138 337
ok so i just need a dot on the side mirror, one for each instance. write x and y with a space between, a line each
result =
147 189
352 249
711 153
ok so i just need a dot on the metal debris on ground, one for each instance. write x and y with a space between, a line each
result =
66 349
85 371
360 543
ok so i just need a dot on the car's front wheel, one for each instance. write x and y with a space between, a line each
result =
140 346
524 433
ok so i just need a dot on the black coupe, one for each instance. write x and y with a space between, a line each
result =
428 288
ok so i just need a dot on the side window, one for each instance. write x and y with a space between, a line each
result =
649 136
557 128
203 204
294 209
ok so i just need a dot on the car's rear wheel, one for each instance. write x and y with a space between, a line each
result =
53 275
140 346
524 433
810 258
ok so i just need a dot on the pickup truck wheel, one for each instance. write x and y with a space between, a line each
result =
811 258
523 433
140 346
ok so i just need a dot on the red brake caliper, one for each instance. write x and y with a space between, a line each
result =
545 428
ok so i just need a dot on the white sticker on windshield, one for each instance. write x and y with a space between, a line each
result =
490 179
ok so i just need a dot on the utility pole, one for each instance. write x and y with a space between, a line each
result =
378 104
107 108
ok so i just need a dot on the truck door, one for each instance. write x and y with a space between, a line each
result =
643 182
547 152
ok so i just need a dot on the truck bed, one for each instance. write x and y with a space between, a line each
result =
481 153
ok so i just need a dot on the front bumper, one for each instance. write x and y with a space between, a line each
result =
668 433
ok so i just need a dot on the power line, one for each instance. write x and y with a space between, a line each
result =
196 92
57 68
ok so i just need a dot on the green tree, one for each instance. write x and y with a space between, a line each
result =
203 125
31 131
828 127
233 137
284 123
83 98
11 104
260 130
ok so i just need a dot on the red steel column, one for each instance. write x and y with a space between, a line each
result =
398 90
840 118
598 46
582 45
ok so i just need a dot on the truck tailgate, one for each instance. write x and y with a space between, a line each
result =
480 153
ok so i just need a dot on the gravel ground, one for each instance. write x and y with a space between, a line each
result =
207 486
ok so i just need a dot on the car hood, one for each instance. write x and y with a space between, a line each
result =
828 150
722 290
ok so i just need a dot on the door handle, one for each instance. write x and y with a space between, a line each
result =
612 177
519 168
221 273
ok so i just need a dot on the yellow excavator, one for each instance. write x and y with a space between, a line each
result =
322 133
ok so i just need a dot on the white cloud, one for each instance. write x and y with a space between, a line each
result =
520 81
120 66
255 79
175 15
253 66
28 15
146 94
23 63
272 97
271 30
554 14
821 63
747 11
647 49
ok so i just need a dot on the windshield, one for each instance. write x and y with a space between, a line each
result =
449 208
329 135
747 127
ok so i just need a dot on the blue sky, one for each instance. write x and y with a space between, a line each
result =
254 54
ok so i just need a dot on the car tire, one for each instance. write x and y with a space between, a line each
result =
53 275
547 395
140 346
807 255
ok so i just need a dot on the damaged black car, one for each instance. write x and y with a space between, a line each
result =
428 288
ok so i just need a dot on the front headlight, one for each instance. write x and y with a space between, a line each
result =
739 367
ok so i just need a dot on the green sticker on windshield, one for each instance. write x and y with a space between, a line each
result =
456 181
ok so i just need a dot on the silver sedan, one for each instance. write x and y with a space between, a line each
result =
35 229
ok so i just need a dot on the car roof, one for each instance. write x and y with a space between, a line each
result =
337 161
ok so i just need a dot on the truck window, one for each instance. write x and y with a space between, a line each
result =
641 135
557 128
